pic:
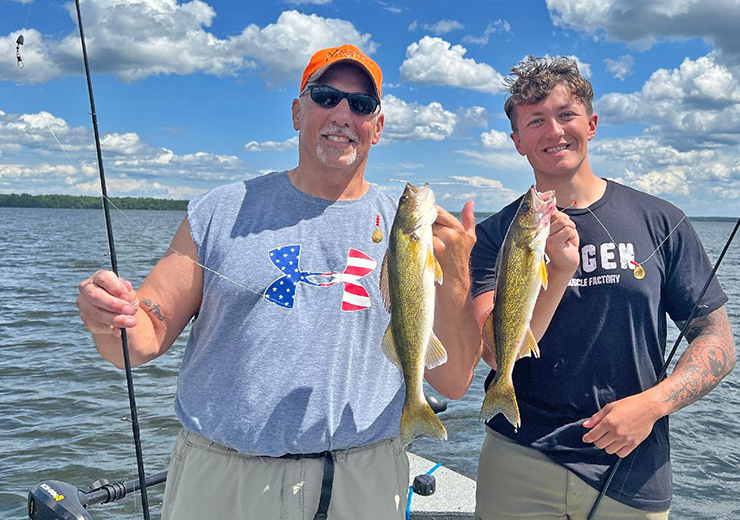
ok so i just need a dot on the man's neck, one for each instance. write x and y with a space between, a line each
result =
330 183
584 188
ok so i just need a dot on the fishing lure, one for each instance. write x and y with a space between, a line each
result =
377 234
18 56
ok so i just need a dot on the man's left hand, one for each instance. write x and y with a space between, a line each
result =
622 425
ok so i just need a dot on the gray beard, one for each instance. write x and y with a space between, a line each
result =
324 157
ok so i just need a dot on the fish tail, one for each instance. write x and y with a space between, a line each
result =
419 419
500 398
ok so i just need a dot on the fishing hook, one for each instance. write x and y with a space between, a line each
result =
667 362
114 266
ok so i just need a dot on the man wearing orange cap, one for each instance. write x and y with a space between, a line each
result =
288 406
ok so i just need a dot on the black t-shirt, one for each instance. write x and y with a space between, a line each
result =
607 338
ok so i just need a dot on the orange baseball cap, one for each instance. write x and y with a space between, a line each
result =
325 58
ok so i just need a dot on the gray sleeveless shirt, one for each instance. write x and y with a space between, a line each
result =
285 355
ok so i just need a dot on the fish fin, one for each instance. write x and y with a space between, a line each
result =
543 273
437 268
529 345
436 353
426 219
433 265
385 289
501 398
489 340
389 347
420 419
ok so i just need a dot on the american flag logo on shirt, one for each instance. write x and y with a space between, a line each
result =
287 259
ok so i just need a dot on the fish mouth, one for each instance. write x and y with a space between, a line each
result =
423 195
419 203
544 204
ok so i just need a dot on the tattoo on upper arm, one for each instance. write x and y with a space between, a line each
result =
709 357
153 308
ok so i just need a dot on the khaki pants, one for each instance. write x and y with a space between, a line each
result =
515 481
208 481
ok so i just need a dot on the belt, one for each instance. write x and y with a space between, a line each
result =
327 481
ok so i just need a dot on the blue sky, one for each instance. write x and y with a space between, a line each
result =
191 95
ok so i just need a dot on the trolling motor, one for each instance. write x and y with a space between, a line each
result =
55 500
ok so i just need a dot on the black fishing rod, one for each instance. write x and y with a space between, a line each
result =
114 266
664 370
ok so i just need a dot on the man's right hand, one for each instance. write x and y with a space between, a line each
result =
107 303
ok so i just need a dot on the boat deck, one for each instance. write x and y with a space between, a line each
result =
454 498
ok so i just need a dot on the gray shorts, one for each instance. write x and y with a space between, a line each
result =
208 481
517 482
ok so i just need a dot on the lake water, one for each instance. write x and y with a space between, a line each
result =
64 411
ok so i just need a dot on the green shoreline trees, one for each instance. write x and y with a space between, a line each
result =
24 200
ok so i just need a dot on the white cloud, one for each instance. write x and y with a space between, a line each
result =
395 9
495 140
33 161
479 182
642 24
684 177
39 132
489 193
123 186
414 122
472 117
444 26
495 27
284 48
309 2
121 144
664 182
272 146
695 104
621 67
434 61
499 160
135 40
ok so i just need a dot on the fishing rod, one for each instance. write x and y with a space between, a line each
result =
114 267
667 362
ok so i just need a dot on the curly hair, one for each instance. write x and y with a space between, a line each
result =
534 79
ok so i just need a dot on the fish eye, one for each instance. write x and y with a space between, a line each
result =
526 206
404 198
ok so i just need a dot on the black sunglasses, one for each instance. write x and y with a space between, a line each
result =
329 97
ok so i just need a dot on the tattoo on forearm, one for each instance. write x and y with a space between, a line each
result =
709 357
153 309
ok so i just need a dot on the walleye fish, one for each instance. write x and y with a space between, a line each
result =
407 284
520 272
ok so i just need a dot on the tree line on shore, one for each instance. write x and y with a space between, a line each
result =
24 200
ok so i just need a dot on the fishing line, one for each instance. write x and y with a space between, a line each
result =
28 14
134 222
114 266
667 362
71 162
639 271
21 65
